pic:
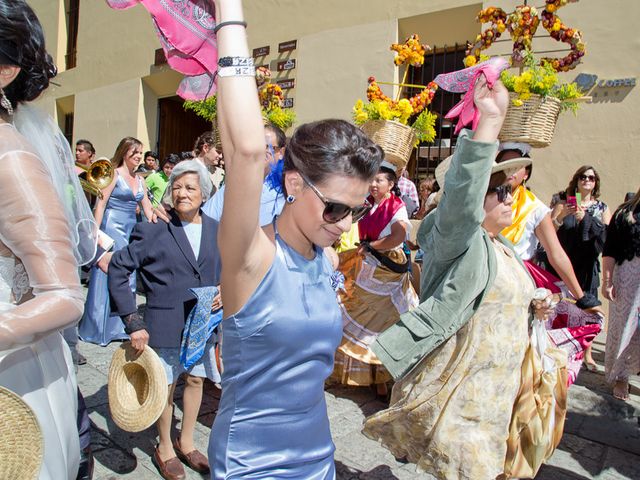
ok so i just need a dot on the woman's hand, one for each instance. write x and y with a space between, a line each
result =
491 102
545 308
139 340
579 213
608 291
103 263
217 302
565 211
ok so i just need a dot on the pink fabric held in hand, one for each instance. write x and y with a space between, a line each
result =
186 34
465 81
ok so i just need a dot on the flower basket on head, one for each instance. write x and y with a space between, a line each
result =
397 140
399 125
532 122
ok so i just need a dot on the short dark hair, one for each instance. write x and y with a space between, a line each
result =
186 155
392 176
497 179
87 145
172 158
150 153
332 147
281 137
22 43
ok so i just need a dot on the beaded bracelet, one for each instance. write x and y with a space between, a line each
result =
235 62
230 22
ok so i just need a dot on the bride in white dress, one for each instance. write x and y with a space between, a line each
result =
40 292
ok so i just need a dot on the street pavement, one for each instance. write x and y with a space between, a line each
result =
601 439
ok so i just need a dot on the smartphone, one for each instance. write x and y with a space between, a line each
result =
572 201
578 199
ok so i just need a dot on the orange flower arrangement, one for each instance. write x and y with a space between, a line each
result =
497 17
560 32
411 51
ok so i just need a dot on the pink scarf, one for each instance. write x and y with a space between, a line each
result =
465 81
185 29
372 224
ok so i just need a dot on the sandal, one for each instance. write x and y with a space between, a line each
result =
621 390
591 366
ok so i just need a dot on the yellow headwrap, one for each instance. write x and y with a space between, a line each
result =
524 203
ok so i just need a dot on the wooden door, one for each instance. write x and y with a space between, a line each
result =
178 128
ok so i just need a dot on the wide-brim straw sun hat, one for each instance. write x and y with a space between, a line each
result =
137 387
21 442
508 167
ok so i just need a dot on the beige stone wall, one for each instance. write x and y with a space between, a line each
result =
114 89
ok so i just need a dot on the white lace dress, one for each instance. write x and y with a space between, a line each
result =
40 294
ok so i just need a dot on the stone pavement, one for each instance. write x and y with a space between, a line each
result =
601 440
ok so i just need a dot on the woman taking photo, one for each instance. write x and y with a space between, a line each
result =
282 322
621 286
581 227
458 356
46 232
378 284
171 258
115 212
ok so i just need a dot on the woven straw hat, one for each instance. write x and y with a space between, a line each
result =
21 443
138 388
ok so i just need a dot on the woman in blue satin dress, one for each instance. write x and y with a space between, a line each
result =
282 322
115 212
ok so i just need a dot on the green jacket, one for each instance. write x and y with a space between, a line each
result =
459 263
157 183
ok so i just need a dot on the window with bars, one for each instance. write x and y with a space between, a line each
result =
72 10
439 60
68 127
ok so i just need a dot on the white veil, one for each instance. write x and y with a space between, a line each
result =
54 152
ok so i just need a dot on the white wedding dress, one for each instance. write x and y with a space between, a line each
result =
40 294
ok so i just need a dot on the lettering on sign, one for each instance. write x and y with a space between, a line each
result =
261 51
287 83
287 103
287 46
287 65
586 81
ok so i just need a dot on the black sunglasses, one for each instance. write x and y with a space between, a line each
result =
591 178
335 211
503 191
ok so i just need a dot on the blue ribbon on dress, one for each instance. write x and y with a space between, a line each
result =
199 327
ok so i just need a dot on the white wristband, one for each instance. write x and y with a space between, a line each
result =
237 71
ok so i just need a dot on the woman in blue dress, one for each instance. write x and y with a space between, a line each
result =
282 322
115 212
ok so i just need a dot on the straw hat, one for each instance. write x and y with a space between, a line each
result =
21 443
508 167
138 388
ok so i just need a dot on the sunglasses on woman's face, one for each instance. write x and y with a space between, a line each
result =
502 191
590 178
335 211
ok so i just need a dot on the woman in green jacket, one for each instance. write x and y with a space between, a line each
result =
457 358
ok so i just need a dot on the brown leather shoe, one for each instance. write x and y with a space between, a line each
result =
195 459
172 469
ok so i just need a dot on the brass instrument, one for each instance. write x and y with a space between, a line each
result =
99 176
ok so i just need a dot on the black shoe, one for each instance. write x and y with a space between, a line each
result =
85 471
82 360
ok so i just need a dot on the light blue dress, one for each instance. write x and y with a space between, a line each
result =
277 351
97 324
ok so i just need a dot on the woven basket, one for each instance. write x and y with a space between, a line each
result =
397 140
534 122
21 443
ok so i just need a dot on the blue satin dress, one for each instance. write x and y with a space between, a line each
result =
277 351
97 324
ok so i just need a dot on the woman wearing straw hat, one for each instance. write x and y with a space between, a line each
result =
46 232
457 357
282 322
171 259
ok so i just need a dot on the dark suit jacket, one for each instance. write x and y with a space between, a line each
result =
164 260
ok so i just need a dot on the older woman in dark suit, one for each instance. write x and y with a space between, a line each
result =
172 258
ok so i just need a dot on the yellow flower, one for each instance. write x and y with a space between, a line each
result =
469 61
517 102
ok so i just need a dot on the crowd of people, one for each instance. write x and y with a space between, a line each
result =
290 260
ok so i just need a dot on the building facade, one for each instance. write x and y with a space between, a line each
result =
112 83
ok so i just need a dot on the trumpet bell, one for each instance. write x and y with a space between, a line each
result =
99 176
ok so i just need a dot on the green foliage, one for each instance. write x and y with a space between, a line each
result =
207 109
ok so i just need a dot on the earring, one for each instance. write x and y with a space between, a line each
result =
291 199
6 104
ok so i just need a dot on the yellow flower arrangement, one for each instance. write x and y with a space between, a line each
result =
410 52
541 80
